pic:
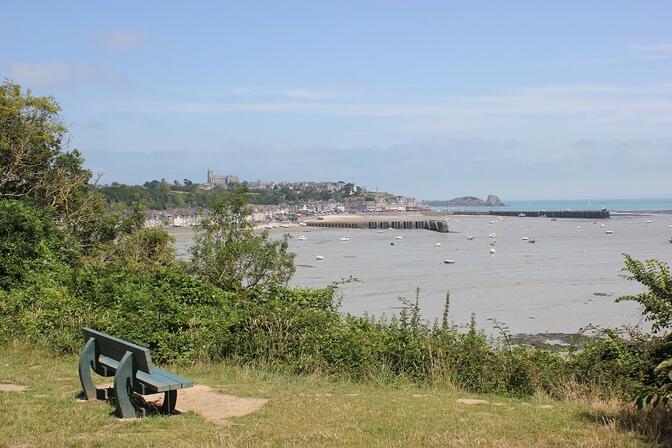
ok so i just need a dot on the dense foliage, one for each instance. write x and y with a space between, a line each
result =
68 261
231 254
656 303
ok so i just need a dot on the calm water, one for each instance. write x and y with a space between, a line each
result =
568 279
616 205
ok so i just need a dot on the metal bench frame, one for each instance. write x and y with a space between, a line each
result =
133 371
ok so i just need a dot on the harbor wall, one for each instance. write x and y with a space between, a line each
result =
576 214
431 224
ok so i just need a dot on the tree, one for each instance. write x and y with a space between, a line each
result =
33 162
36 167
230 253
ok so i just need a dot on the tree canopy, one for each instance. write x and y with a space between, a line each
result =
33 161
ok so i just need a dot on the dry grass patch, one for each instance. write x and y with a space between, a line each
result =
4 387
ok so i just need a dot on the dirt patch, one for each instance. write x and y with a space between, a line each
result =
470 401
5 387
212 405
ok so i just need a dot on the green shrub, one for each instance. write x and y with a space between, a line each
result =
29 240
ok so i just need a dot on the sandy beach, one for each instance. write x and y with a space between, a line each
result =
566 280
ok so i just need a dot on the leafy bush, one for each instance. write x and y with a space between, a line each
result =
657 299
229 253
29 239
656 302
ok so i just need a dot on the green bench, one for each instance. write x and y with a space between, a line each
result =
133 371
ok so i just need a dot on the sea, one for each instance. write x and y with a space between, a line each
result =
614 205
569 279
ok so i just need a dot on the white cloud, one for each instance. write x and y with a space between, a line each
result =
308 94
260 93
589 103
122 39
57 73
652 48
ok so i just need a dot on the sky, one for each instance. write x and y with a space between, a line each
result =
431 99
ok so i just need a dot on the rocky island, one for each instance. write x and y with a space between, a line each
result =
491 201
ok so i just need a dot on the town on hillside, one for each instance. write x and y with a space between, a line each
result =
183 203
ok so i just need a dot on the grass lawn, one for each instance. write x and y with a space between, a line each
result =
314 412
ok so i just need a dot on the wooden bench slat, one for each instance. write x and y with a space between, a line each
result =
151 382
116 348
154 383
184 382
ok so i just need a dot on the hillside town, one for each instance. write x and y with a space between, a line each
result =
328 197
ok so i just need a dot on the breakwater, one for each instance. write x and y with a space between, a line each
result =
384 223
577 214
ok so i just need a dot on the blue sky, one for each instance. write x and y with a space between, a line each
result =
526 100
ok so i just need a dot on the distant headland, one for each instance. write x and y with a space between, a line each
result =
491 201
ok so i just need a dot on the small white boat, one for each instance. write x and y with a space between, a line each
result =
522 215
268 226
492 250
609 232
493 243
302 238
379 231
492 222
670 226
648 221
603 225
471 237
399 237
448 261
319 257
525 238
284 225
303 224
670 240
391 228
438 244
578 227
493 235
345 238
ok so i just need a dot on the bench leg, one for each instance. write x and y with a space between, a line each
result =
87 360
169 401
123 386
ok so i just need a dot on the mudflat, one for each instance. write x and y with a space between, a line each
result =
568 278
